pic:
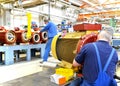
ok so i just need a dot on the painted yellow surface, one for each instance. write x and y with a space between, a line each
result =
66 72
53 45
29 17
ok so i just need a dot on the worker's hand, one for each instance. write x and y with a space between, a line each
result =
76 69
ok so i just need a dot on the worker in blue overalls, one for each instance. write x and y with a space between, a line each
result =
51 28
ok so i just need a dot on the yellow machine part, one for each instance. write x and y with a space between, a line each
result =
53 45
63 48
74 35
89 32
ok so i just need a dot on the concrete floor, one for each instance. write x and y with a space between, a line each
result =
30 73
38 79
41 78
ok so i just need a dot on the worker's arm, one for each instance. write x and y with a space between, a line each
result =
79 58
45 28
75 64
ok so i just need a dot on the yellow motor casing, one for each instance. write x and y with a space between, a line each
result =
65 48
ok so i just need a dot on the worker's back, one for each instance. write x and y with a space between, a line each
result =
91 68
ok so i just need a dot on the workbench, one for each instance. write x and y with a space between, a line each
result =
8 51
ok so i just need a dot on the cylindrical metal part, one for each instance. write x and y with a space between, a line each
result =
7 36
43 36
35 38
66 48
21 36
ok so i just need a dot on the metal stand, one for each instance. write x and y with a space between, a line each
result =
9 51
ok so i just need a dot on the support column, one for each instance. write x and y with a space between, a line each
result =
49 10
2 13
7 18
41 22
28 57
9 56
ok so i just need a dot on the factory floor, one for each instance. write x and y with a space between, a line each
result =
37 79
30 73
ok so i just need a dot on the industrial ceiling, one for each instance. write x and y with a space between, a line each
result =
86 8
103 8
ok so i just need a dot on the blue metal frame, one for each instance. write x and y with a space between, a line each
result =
9 51
116 42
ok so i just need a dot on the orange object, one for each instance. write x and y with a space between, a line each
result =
67 73
62 80
58 79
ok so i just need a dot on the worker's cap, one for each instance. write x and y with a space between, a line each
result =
108 29
33 22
